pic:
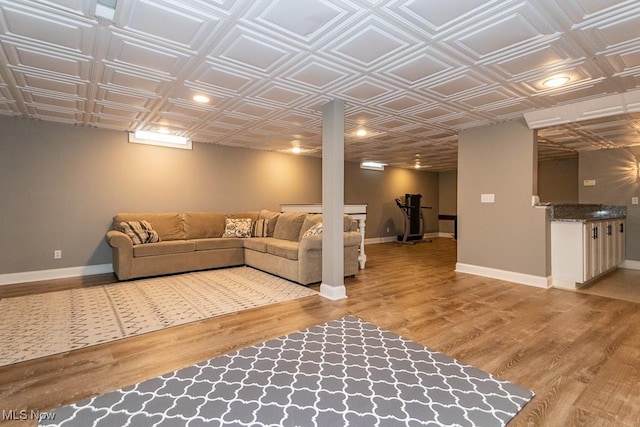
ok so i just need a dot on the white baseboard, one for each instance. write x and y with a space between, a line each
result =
380 240
511 276
388 239
57 273
630 264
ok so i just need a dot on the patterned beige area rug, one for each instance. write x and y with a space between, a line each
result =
44 324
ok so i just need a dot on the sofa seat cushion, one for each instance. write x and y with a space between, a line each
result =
218 243
283 248
164 248
258 244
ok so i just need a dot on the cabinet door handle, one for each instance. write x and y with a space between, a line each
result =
622 227
594 233
609 229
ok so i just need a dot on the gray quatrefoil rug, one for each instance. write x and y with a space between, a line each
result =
344 372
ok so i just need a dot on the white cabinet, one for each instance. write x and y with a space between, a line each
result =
584 250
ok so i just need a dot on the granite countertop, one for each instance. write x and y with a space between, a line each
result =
586 212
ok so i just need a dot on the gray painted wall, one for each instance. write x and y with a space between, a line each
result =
60 185
447 191
558 181
509 234
617 181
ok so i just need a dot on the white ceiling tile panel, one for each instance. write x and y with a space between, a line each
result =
44 27
252 50
69 104
49 112
316 74
254 109
304 20
412 72
214 76
134 80
174 23
146 56
115 95
371 40
111 122
437 17
280 94
38 80
511 32
78 7
426 64
365 90
49 62
120 110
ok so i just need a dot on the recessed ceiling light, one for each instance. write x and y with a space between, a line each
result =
203 99
296 150
556 81
361 132
417 166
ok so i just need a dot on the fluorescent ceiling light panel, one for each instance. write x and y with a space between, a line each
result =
106 9
373 166
160 139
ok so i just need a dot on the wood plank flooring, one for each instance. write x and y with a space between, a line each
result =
579 353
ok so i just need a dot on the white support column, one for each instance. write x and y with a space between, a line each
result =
332 285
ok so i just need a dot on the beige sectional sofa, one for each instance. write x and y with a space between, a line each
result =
193 241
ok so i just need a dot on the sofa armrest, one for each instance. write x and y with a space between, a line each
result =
310 243
351 238
119 240
122 253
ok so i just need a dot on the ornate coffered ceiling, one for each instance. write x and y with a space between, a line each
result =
412 72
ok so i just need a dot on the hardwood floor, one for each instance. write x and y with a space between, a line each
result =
622 284
579 353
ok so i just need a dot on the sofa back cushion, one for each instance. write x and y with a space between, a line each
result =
288 226
273 220
251 215
309 221
313 219
203 225
167 225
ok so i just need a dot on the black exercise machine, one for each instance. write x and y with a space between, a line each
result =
413 218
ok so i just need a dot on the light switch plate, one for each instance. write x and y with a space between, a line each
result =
634 200
487 198
589 182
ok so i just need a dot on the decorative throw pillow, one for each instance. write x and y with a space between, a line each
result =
313 231
260 228
140 232
237 227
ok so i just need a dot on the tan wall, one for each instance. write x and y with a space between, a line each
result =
509 234
60 185
617 181
558 181
379 189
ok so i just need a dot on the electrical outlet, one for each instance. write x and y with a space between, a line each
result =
387 229
57 254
